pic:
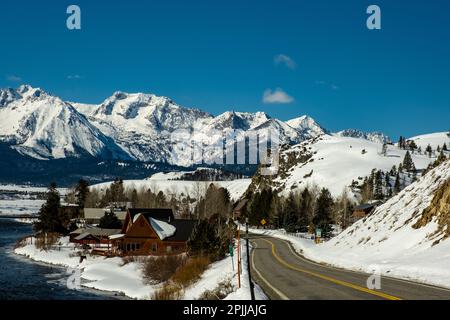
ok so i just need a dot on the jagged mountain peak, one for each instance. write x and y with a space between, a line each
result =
238 120
8 95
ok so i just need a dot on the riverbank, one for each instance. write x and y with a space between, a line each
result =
114 274
23 279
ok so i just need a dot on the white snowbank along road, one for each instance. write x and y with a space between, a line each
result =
407 237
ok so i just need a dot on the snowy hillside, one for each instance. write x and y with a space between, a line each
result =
181 187
333 162
377 137
433 139
45 127
398 237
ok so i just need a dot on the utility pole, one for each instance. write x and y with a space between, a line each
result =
239 256
252 291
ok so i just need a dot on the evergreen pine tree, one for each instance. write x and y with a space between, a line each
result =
81 192
429 150
378 186
397 186
393 171
444 147
305 210
110 221
324 213
290 214
387 181
408 162
51 218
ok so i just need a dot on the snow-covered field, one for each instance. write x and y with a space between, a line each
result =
22 199
179 187
386 242
110 274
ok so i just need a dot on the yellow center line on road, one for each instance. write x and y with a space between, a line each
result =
330 279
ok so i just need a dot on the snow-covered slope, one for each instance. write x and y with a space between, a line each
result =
181 187
407 237
377 137
396 239
42 126
433 139
333 162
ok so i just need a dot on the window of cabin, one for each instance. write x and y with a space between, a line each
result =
138 246
154 247
128 247
133 247
169 249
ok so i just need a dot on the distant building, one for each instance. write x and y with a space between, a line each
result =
92 235
240 209
93 215
364 210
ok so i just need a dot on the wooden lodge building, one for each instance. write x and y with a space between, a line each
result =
153 232
144 232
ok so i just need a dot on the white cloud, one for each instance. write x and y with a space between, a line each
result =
13 78
276 96
286 60
74 77
332 86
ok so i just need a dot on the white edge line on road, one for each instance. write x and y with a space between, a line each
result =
298 255
278 292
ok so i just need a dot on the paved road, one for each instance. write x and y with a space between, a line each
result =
284 274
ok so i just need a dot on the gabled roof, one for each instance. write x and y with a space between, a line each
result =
367 206
95 231
86 235
159 214
184 229
241 204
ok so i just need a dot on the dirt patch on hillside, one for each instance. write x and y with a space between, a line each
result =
440 210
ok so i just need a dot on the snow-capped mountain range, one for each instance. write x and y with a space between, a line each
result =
125 126
130 126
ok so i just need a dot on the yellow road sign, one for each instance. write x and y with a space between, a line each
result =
263 221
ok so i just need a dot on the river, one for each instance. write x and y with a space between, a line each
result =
22 279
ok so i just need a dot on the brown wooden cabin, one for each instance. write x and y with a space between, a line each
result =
92 235
241 209
364 210
138 237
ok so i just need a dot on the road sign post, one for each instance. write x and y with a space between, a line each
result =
318 235
231 249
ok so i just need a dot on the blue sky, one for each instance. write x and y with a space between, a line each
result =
222 55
